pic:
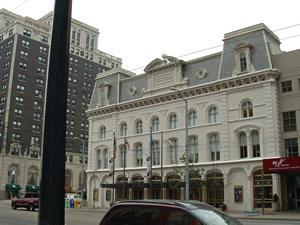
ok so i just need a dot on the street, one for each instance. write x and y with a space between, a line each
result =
9 216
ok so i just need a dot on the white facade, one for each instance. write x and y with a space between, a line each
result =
235 126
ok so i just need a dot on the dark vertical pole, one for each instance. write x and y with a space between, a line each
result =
52 211
151 158
161 165
263 192
113 181
124 160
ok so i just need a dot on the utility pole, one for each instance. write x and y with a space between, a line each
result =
187 156
52 194
151 159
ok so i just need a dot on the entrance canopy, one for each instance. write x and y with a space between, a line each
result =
13 187
32 188
282 165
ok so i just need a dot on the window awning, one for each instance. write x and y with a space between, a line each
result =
13 187
32 188
282 165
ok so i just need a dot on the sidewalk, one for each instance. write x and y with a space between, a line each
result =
282 215
293 215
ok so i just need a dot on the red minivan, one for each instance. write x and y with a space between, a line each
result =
28 200
164 212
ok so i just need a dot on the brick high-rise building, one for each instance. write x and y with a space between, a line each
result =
24 54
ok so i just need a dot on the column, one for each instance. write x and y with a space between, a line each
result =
248 194
182 193
164 193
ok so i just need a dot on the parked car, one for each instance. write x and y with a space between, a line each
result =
28 200
160 212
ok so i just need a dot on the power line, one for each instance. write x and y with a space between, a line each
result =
21 4
217 46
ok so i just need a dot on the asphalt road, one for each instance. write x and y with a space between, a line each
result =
9 216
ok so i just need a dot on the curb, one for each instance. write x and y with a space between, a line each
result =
265 218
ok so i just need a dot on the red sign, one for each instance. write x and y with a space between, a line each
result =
282 165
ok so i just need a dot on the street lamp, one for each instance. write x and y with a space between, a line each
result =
186 161
82 164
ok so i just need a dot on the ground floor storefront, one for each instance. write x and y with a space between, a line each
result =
288 170
241 187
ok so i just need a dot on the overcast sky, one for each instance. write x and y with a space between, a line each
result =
140 30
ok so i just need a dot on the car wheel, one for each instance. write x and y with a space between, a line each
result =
14 206
32 208
29 207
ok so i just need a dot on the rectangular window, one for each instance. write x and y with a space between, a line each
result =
286 86
17 124
20 88
23 65
73 36
18 112
16 137
44 39
25 44
78 37
19 100
23 54
36 128
35 140
41 60
291 147
10 32
289 121
43 50
36 116
27 32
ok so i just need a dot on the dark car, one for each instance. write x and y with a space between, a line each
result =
160 212
28 200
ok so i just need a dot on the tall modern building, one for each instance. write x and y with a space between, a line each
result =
242 127
24 54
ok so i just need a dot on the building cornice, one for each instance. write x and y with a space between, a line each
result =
229 84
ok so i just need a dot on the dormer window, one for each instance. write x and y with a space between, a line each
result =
243 62
243 58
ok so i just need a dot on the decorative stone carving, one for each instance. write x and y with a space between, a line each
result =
132 91
202 74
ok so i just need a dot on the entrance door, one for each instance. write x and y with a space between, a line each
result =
297 195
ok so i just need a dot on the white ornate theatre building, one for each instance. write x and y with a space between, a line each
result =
243 109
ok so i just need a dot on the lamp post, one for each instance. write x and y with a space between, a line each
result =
82 166
186 162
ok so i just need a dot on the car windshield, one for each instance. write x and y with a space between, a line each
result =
210 216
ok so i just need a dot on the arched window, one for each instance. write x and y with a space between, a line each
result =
138 127
173 148
102 132
105 158
32 175
247 109
123 131
13 174
99 159
213 115
243 145
192 118
139 154
156 153
155 124
123 159
172 121
243 62
214 146
266 188
193 148
255 143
